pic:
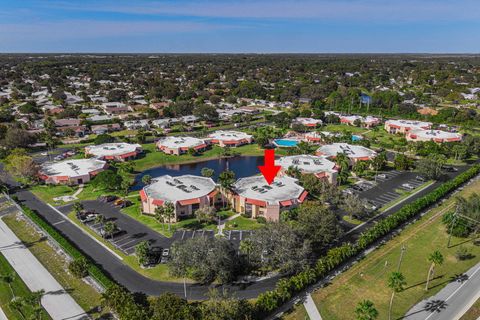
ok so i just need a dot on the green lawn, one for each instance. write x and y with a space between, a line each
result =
348 219
20 290
87 297
343 127
243 223
367 279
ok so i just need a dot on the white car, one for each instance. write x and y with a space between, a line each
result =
408 186
165 252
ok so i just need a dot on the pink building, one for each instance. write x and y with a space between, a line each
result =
230 138
114 151
433 135
254 197
180 145
71 172
187 193
403 126
308 122
354 152
319 166
366 122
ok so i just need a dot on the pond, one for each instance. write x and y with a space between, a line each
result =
243 166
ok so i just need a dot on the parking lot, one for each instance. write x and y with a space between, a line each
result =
131 231
387 185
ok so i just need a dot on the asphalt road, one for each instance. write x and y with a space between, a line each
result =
452 301
122 273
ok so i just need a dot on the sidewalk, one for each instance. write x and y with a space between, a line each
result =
58 303
2 315
222 223
311 308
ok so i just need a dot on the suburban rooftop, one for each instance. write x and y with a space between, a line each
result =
72 168
168 188
352 151
282 189
306 163
229 135
112 149
180 142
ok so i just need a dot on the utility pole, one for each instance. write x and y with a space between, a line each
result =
185 287
403 249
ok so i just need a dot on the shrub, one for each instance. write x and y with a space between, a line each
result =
463 253
261 220
79 267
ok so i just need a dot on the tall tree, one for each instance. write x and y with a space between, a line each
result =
435 258
396 282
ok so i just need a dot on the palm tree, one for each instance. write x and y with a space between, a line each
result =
246 247
100 218
169 210
77 207
160 215
293 171
109 228
18 304
366 310
9 278
207 172
436 258
226 180
396 282
147 179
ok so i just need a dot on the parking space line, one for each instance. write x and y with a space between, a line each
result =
118 240
123 244
183 234
61 221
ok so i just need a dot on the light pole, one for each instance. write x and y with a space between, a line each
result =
401 256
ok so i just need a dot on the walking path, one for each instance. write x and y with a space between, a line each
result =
311 308
2 315
56 301
451 302
222 223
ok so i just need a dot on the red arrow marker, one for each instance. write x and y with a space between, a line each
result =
269 169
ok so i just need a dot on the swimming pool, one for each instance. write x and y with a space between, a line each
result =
285 142
356 138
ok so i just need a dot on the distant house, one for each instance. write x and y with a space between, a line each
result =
105 128
433 135
119 151
67 122
136 124
230 138
403 126
355 153
71 172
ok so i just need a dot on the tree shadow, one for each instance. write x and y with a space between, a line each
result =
424 282
430 306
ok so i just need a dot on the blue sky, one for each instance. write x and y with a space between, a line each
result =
264 26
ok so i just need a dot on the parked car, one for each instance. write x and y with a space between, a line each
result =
357 187
107 198
420 178
450 169
165 252
408 186
59 158
382 176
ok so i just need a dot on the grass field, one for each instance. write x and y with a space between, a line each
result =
20 290
367 279
87 297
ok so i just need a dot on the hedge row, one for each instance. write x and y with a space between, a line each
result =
287 287
93 270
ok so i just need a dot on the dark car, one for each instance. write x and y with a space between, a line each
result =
107 198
